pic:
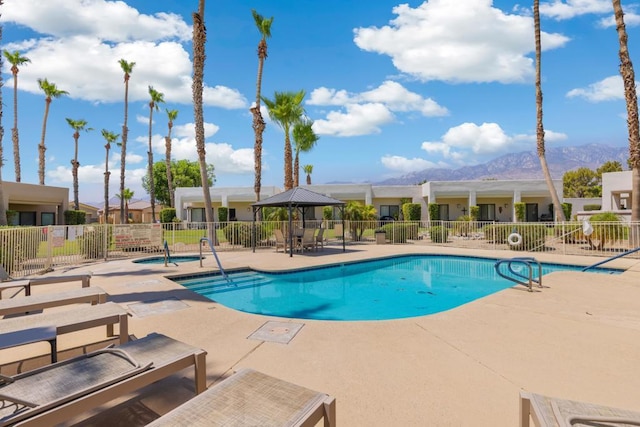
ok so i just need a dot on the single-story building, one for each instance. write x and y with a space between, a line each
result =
35 204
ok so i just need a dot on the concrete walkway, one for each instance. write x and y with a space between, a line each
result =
578 339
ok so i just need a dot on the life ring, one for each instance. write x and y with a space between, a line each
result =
514 239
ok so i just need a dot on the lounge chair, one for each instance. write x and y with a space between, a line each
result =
308 240
320 238
551 412
251 398
55 393
26 284
281 242
17 305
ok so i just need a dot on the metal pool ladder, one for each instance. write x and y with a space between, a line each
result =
215 254
516 276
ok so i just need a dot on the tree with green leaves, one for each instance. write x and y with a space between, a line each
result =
184 174
633 125
308 169
581 182
171 116
156 98
304 139
16 60
286 109
77 126
199 42
51 91
264 27
125 196
110 137
559 215
127 69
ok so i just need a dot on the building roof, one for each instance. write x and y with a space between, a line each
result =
299 197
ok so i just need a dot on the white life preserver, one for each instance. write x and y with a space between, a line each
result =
514 239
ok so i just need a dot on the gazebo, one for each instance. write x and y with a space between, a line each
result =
297 198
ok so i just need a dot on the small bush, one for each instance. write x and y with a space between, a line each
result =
570 233
533 238
411 211
439 234
520 209
399 233
592 207
497 232
167 215
607 227
239 233
434 212
75 217
223 214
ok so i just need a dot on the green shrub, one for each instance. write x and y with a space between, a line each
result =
592 207
75 217
439 234
570 233
223 214
167 215
411 211
566 210
239 233
533 238
434 212
398 232
497 232
11 216
327 213
463 226
474 212
607 228
520 209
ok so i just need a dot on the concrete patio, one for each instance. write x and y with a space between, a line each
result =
577 339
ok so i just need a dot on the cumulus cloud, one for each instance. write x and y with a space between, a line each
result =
406 165
631 19
106 32
461 41
607 89
567 9
359 119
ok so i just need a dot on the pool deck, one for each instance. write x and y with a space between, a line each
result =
577 339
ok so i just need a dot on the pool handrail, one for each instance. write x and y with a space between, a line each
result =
597 264
527 261
167 255
215 254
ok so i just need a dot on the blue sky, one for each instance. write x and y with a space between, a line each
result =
392 87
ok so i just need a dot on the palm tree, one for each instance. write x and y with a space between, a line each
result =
3 210
77 125
199 41
171 116
156 98
304 139
110 137
125 196
15 59
127 69
558 211
308 169
631 98
286 109
264 27
51 91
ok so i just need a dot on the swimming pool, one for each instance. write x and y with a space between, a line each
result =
390 288
172 259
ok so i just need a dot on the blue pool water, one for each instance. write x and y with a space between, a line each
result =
173 259
390 288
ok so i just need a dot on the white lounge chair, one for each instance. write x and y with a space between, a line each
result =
251 398
55 393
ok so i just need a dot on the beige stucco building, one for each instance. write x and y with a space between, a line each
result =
35 204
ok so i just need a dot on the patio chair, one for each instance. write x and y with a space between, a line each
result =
281 242
17 305
551 412
58 392
320 238
308 240
251 398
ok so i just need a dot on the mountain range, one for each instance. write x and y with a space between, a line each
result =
523 165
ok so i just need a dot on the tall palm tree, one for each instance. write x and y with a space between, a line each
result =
171 116
77 126
286 109
558 211
199 42
51 91
15 59
3 210
304 139
308 169
127 69
125 196
631 98
264 27
110 137
156 98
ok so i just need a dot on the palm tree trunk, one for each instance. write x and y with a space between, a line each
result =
123 154
14 131
167 160
106 186
3 211
288 176
258 121
558 212
296 170
41 146
74 172
152 192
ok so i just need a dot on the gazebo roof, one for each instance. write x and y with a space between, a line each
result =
299 197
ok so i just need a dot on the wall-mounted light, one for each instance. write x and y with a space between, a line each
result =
506 205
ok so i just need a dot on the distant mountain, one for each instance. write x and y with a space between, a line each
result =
523 165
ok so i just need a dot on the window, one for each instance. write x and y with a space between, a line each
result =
389 210
27 218
47 218
232 214
531 212
443 212
197 215
487 212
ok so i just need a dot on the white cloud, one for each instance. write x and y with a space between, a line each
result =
359 119
106 32
561 9
326 96
457 41
631 19
607 89
405 165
